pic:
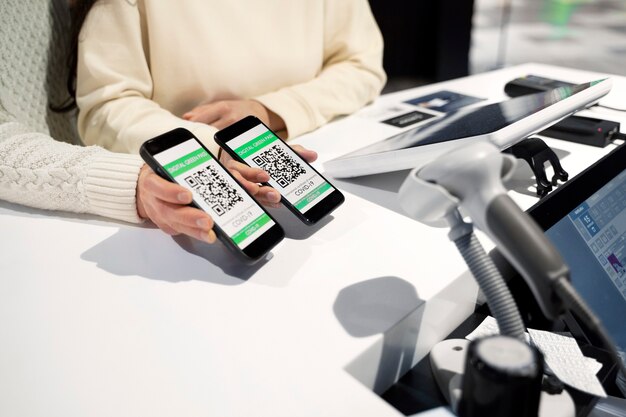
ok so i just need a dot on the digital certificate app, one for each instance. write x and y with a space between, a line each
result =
299 184
232 209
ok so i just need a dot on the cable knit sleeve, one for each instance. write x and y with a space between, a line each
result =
37 171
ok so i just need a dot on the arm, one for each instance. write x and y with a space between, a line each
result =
114 84
37 171
351 76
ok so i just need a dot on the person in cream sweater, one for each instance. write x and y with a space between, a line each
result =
147 66
38 170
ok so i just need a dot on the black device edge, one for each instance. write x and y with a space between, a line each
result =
314 214
546 213
255 250
559 204
585 130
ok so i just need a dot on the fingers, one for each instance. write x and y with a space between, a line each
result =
264 194
247 172
206 113
249 177
175 219
219 114
206 235
306 154
166 205
165 190
268 196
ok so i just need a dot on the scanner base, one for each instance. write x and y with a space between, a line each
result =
447 362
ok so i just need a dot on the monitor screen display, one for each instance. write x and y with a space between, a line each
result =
592 240
586 221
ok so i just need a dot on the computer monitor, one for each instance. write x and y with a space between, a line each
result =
586 221
503 124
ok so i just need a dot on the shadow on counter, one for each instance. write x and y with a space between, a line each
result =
387 306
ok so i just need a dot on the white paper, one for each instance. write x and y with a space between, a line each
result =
382 112
562 356
489 327
593 365
568 363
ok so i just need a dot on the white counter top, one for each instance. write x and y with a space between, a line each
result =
107 319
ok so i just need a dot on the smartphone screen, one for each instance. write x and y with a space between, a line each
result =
302 188
236 214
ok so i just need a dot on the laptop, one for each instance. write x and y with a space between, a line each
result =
502 124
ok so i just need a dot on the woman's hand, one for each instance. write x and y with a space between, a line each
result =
166 204
251 177
223 113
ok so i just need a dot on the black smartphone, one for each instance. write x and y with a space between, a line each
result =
240 222
303 190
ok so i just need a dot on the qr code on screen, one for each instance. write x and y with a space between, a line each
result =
214 189
281 167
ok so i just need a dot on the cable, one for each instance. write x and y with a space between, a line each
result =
575 303
489 279
618 136
609 107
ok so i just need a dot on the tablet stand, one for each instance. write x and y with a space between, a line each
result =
536 153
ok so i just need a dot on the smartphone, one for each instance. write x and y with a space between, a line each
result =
240 222
303 190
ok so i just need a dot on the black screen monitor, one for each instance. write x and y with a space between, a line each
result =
586 220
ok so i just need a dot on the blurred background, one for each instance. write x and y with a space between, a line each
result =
429 41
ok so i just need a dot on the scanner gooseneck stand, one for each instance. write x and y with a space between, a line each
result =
470 178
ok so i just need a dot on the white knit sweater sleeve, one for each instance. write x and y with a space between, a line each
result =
37 171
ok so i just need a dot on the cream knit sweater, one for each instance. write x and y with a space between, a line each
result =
144 63
35 169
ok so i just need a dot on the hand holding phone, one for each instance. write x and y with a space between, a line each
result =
239 221
264 194
251 179
303 190
166 204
